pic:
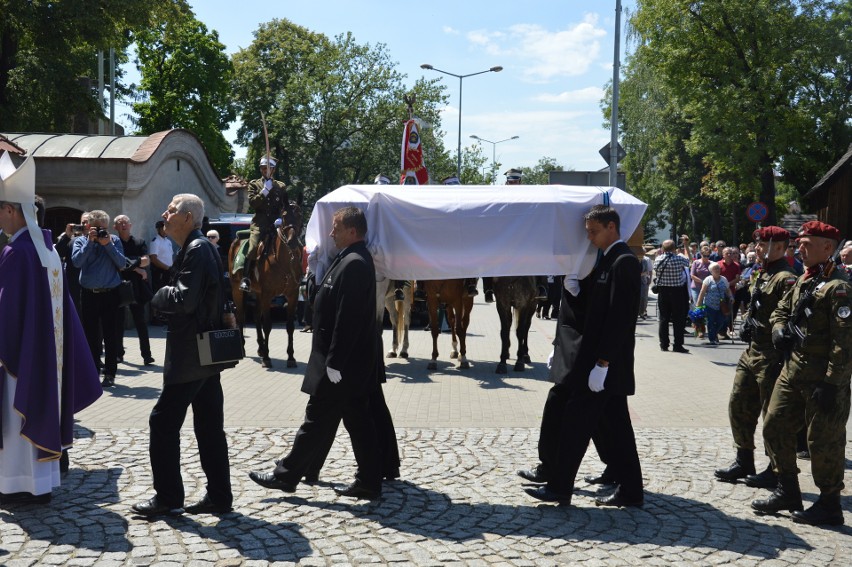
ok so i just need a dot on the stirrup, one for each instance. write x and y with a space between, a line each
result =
245 285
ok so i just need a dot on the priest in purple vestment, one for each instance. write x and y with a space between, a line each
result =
46 370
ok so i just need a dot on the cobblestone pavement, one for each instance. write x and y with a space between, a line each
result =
462 435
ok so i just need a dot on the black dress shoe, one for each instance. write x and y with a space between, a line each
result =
108 381
269 480
356 490
392 474
618 498
547 495
149 360
489 296
207 506
532 475
153 507
599 479
24 498
664 348
680 349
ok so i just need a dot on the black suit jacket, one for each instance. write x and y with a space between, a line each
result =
345 335
607 306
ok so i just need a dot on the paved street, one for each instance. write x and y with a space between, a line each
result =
462 435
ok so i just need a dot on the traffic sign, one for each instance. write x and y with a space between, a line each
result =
605 153
757 211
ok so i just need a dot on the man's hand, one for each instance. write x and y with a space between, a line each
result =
824 395
550 359
597 377
781 340
572 285
334 375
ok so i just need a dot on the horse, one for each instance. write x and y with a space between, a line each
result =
518 294
278 270
400 316
453 294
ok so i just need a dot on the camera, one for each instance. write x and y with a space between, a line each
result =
103 233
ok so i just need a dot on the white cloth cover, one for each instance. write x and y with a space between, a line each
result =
446 232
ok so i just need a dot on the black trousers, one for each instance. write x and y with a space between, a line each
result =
139 313
100 318
551 432
388 446
586 415
322 415
673 303
208 421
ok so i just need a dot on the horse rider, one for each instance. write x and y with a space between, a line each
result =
268 198
513 177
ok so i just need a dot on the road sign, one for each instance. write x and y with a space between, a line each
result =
757 211
605 153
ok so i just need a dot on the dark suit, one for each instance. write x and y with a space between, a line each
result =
608 333
344 339
193 303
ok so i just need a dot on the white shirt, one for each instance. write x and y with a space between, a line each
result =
162 248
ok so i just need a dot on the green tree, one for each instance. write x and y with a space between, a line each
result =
47 51
734 68
186 81
334 108
539 173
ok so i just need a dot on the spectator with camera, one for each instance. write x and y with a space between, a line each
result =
100 257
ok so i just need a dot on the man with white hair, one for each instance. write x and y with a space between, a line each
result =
46 372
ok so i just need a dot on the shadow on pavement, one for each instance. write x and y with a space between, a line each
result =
254 539
80 498
665 520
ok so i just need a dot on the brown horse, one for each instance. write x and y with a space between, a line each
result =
453 294
518 294
278 270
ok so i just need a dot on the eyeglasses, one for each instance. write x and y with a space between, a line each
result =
211 237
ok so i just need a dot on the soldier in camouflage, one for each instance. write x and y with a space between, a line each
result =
268 199
760 363
813 326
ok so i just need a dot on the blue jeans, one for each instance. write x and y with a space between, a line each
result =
715 322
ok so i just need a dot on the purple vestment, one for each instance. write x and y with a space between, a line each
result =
27 350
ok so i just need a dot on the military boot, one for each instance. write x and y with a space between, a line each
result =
245 284
825 511
741 468
786 496
766 479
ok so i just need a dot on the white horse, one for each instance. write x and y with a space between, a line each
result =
400 314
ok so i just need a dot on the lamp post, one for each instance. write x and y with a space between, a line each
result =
494 154
495 69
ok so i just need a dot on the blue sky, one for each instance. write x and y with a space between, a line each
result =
556 57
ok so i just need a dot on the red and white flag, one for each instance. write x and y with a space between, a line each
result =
413 169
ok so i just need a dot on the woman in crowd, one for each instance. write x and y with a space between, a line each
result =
714 290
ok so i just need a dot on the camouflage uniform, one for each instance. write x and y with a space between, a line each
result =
823 356
760 364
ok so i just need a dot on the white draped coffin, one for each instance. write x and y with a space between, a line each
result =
451 231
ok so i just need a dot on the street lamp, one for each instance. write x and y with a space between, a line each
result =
495 69
493 154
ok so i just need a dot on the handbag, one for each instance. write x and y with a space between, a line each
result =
221 347
126 296
724 306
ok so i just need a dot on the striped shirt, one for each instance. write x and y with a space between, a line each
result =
671 270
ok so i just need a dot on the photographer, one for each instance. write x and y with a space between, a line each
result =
760 363
99 256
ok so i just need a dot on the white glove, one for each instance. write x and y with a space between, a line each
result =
268 184
334 375
572 285
597 377
550 359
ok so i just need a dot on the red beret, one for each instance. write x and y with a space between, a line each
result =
817 228
774 233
